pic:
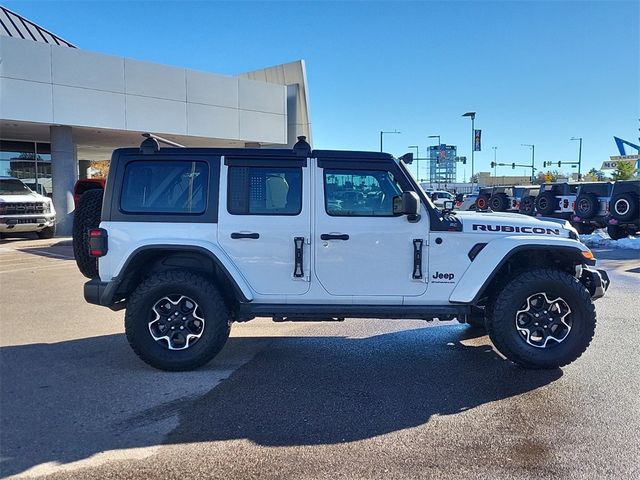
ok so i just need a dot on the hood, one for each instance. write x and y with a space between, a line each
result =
28 197
503 223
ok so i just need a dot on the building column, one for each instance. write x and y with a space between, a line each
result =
64 172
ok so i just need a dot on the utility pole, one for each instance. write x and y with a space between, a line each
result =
533 159
495 165
473 139
417 161
579 156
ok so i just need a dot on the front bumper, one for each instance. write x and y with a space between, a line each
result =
596 281
26 223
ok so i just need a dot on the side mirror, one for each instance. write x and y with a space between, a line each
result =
407 204
448 205
407 158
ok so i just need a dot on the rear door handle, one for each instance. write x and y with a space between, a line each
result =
331 236
237 235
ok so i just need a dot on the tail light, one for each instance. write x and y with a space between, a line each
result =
98 242
573 204
606 206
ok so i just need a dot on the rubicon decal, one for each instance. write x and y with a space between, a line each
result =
516 229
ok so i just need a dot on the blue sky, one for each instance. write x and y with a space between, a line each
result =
536 72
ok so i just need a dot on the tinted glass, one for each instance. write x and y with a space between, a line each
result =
264 190
360 193
172 187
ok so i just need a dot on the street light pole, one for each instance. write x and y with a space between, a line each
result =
579 156
382 133
473 140
533 159
417 161
495 165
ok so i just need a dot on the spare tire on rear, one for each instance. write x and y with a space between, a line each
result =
586 205
498 202
546 203
527 205
624 207
482 202
86 217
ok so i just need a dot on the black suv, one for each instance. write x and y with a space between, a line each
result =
624 209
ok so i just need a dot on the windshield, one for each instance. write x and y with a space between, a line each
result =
13 186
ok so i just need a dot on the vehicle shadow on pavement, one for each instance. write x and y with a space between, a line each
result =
67 401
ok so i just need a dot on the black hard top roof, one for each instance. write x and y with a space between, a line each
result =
282 153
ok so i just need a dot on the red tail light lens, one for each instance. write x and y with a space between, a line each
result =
98 242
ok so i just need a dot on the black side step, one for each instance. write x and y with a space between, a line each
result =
304 312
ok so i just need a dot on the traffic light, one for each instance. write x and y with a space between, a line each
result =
513 165
493 164
544 164
559 163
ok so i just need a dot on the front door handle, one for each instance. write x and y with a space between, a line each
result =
331 236
237 235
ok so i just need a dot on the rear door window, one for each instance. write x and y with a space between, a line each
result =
264 190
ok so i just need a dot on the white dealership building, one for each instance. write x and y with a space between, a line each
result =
62 107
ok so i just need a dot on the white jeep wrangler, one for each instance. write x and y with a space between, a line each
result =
191 240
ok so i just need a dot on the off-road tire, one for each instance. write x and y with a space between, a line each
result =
584 228
482 202
527 205
499 202
555 283
630 201
139 308
86 217
586 205
47 232
546 203
616 232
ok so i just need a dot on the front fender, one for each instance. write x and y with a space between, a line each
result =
497 252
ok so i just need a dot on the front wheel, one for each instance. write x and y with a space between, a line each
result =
177 320
616 232
543 318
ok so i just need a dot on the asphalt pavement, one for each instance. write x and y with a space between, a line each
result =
357 399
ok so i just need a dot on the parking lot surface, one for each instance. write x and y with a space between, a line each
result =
358 399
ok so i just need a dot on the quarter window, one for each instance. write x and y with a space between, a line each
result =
360 193
170 187
264 190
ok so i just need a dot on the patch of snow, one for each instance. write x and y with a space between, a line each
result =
600 239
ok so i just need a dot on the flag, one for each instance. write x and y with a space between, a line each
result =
476 140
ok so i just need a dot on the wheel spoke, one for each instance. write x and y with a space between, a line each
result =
176 322
541 320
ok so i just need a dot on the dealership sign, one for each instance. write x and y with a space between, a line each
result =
613 162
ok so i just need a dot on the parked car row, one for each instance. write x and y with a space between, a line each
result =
587 205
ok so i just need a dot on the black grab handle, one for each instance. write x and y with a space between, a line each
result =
329 236
237 235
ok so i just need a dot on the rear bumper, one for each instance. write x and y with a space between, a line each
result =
596 281
102 293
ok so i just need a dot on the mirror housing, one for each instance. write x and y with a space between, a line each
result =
407 158
406 204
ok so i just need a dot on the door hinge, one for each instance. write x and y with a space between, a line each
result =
417 258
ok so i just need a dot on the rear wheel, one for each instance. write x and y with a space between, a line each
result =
543 318
616 232
177 320
86 217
